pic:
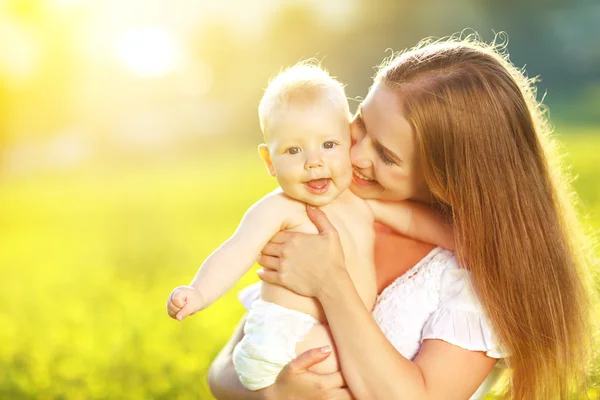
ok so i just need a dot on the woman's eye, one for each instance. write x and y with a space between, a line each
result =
328 145
386 160
293 150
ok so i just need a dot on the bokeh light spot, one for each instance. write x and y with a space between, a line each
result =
148 52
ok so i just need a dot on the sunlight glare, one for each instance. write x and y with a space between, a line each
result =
20 55
66 2
148 52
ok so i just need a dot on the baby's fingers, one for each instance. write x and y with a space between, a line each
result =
187 310
179 297
172 309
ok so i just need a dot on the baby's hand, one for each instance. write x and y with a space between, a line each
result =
184 301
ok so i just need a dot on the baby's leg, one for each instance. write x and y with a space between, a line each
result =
319 336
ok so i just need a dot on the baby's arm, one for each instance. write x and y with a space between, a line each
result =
414 220
227 264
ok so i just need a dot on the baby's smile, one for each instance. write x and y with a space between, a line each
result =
318 186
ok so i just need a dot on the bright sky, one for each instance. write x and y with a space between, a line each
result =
147 38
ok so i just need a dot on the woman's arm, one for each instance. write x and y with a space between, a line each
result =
415 220
441 370
294 381
378 371
222 378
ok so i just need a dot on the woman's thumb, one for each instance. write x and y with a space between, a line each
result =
309 358
318 217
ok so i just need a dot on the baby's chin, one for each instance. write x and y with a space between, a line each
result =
300 193
318 203
319 200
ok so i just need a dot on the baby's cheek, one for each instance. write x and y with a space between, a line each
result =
284 169
344 173
342 164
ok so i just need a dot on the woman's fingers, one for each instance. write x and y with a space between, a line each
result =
341 394
269 262
269 276
309 358
281 237
273 249
320 220
334 380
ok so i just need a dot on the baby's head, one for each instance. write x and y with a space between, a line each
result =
304 117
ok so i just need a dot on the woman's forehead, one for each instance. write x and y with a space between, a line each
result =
383 119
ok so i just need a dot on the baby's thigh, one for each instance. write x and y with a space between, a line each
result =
319 336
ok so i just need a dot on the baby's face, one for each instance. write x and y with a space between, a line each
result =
310 152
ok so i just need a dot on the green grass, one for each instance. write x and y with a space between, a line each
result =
87 260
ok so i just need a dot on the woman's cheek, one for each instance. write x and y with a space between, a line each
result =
358 155
396 182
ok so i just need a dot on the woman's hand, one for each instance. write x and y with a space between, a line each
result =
304 263
296 382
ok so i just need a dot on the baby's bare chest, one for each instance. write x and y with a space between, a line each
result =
354 226
355 229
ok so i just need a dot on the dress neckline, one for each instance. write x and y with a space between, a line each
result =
412 270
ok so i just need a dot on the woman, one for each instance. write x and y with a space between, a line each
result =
452 125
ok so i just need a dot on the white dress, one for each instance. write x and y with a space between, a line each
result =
434 299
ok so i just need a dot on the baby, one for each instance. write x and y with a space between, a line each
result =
305 119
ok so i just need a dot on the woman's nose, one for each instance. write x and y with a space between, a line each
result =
360 156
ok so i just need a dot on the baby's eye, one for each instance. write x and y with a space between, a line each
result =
293 150
328 145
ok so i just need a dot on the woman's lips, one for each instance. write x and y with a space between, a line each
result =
361 181
318 186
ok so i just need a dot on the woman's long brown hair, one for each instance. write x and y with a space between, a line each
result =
487 155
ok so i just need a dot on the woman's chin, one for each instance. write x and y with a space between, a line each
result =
365 192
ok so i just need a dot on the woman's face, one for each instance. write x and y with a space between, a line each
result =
383 154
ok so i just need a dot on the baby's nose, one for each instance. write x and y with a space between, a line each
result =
313 163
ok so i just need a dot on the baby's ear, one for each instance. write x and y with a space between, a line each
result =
263 151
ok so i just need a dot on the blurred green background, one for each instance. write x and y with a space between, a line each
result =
128 132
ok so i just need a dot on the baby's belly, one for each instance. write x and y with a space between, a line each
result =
363 279
286 298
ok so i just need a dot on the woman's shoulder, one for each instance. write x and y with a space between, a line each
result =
456 286
448 268
439 266
460 317
424 279
446 257
438 277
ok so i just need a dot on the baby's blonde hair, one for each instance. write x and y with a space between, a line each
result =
303 83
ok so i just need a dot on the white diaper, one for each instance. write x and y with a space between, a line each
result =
271 333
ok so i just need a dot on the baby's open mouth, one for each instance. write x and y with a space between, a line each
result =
318 186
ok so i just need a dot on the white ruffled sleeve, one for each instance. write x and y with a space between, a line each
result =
249 294
460 318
